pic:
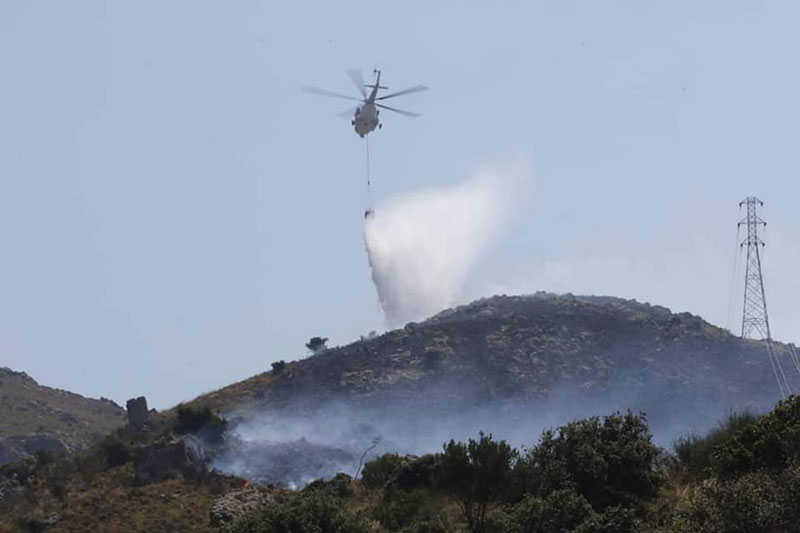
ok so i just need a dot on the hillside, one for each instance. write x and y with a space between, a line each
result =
509 365
512 349
34 417
512 365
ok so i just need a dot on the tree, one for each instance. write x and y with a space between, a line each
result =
475 474
609 461
317 344
278 367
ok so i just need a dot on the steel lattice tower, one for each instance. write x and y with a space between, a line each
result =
754 311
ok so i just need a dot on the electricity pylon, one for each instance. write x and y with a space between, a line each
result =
754 311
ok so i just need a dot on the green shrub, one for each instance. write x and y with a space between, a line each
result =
380 471
757 501
59 490
317 344
476 474
30 525
612 520
610 462
278 367
309 512
44 458
115 451
436 524
769 444
201 421
747 504
340 486
401 510
418 473
560 511
694 454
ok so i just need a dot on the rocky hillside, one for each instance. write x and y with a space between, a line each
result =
543 355
34 417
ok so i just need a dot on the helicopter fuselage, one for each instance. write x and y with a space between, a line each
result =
366 119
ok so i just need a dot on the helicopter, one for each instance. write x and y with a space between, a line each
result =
365 117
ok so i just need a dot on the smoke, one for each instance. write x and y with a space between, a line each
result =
422 246
288 448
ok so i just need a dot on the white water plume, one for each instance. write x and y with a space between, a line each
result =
422 246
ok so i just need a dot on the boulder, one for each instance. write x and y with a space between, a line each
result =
237 503
166 457
17 447
137 412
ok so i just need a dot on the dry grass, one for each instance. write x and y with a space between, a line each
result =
229 397
108 502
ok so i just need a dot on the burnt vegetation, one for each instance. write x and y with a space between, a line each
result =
598 474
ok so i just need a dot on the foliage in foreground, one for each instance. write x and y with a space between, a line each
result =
596 475
315 511
752 477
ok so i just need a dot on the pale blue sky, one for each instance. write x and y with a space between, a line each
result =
175 214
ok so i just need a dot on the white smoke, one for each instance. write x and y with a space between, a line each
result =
422 246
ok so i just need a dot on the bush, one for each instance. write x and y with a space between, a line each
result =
30 525
44 458
400 509
317 344
748 504
200 421
694 454
340 486
418 473
314 511
769 444
115 451
475 474
436 524
560 511
610 462
757 501
278 367
380 471
612 520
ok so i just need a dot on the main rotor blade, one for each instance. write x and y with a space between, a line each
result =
348 113
406 113
358 80
415 89
323 92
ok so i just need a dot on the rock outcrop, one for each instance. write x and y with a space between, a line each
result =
237 503
137 412
169 457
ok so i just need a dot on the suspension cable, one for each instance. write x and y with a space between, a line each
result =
736 254
369 210
774 370
795 358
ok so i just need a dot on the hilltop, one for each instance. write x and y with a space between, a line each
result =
583 353
34 417
509 365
